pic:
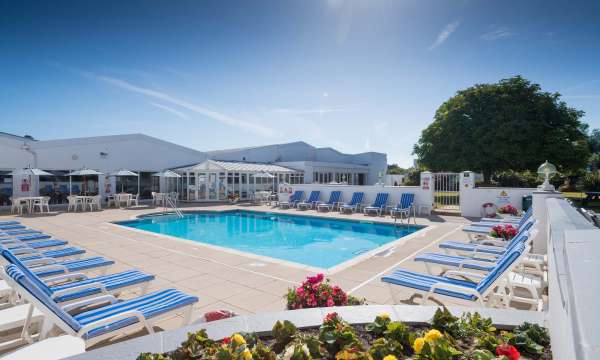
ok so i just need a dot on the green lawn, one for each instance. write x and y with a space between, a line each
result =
576 197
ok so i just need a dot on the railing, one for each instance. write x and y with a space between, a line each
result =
169 203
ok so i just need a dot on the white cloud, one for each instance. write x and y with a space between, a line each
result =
368 144
171 110
444 34
215 115
498 33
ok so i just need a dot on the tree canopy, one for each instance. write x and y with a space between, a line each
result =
509 125
395 169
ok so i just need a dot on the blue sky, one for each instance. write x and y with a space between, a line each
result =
354 75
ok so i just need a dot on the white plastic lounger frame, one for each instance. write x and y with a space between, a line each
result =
51 319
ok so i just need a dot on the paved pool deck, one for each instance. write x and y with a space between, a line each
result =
224 279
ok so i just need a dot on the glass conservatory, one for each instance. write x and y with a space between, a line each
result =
215 180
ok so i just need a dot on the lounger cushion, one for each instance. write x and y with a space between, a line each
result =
19 232
149 305
454 261
9 222
456 245
424 282
76 265
30 237
501 266
111 282
39 244
58 253
12 227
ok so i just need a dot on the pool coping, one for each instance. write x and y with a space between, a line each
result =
327 271
262 324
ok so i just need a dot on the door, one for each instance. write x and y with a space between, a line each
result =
446 192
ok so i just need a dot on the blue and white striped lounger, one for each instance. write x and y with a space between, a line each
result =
104 322
354 204
31 254
36 244
470 262
508 220
487 245
402 209
25 237
378 205
313 198
83 286
48 267
464 289
10 233
9 222
334 200
12 227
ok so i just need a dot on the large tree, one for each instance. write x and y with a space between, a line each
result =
511 124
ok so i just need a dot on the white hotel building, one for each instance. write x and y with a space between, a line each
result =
206 176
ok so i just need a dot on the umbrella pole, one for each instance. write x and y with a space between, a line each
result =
70 186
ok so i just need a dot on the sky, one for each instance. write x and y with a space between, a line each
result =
353 75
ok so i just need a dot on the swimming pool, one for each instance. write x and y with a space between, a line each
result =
317 242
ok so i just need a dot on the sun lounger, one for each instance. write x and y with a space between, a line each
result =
378 205
295 198
490 288
515 221
35 244
104 322
354 204
27 253
12 227
309 203
9 222
74 286
332 203
486 245
43 267
402 209
29 237
11 233
55 348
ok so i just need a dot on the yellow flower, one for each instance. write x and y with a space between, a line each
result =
238 339
246 354
390 357
345 355
418 345
384 316
433 335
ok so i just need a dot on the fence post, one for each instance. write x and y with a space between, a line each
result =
426 183
540 213
467 186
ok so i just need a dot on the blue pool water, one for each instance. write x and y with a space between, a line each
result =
316 242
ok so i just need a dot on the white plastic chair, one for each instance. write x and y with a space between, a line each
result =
73 202
17 205
94 202
43 202
135 199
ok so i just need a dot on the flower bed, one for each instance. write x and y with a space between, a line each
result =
316 291
446 338
505 232
509 210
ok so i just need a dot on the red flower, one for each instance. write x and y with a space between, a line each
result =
331 316
315 279
226 340
330 301
509 351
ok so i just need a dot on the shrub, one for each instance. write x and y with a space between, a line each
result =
591 181
316 291
508 209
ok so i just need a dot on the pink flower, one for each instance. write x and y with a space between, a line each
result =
331 316
330 301
315 279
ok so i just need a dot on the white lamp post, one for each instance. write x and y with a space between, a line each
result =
546 170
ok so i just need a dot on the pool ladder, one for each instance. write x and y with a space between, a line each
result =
176 210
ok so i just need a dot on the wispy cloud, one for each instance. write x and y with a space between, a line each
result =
319 111
171 110
444 34
215 115
498 33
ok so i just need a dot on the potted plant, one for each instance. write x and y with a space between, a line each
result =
504 232
233 198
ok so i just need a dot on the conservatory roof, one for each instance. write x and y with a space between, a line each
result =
235 166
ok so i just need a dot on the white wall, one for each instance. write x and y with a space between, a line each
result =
421 196
471 200
390 179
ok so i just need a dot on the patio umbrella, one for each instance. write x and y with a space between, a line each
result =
124 173
28 171
82 172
